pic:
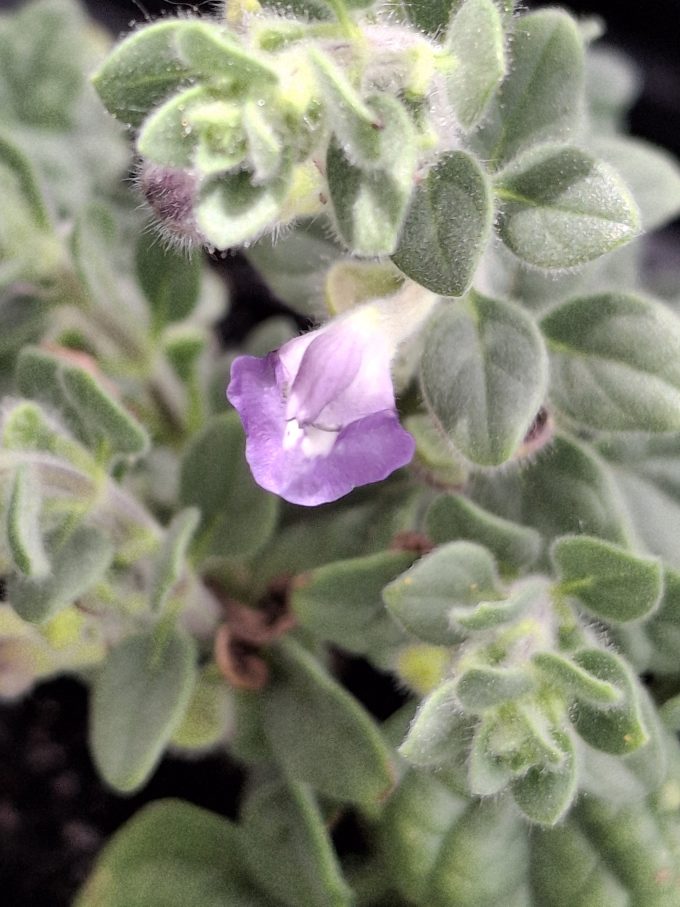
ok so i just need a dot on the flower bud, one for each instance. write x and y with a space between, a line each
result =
171 195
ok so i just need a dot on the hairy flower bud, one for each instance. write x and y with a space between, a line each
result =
171 195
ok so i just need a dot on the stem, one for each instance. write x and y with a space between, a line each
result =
349 27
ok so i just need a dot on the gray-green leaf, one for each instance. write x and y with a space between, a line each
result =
447 226
484 376
24 535
615 362
172 854
370 203
458 574
232 210
619 729
77 564
562 208
608 581
476 39
545 792
142 71
341 602
349 760
237 516
652 174
453 516
540 100
138 700
290 854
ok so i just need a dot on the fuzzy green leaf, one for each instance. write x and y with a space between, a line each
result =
447 226
291 856
540 100
545 792
23 174
484 376
431 16
575 681
77 564
142 71
640 844
171 281
46 50
138 700
265 148
349 760
457 574
482 861
172 854
370 203
490 614
563 207
646 470
214 54
416 820
342 602
452 517
232 210
481 688
358 123
567 490
488 774
24 534
237 516
170 137
439 736
567 871
608 581
618 729
615 362
652 174
476 39
171 558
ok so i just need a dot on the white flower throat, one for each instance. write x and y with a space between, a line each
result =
310 439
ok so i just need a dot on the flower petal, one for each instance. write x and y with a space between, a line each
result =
328 367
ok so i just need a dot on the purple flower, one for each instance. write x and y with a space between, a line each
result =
319 413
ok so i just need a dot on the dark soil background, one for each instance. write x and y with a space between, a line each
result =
54 813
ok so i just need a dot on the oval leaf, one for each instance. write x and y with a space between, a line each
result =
172 854
452 517
615 362
563 208
608 581
484 376
545 792
291 855
138 700
540 100
142 71
476 39
447 225
459 574
619 729
24 535
320 734
77 565
237 516
342 602
370 202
